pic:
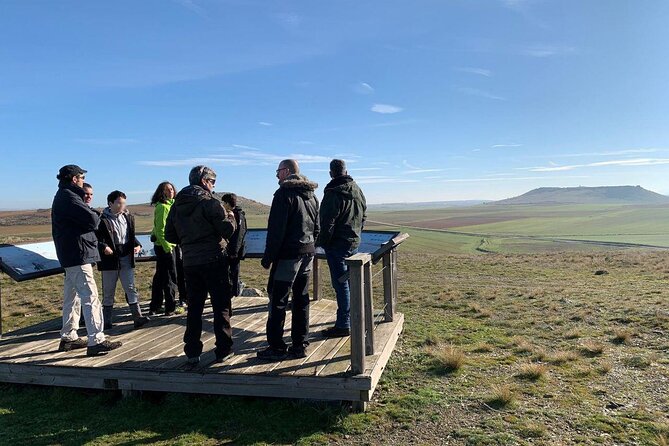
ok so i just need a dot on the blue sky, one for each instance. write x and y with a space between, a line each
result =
426 100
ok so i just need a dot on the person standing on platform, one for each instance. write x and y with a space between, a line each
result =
164 284
118 245
199 223
292 230
237 245
73 226
342 217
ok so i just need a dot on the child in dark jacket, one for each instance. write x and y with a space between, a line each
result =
118 245
237 244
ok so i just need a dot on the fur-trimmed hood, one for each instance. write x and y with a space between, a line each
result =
300 184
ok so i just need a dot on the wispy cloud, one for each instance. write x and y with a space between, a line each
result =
243 158
413 170
488 179
106 141
477 71
288 20
192 6
265 123
541 50
480 93
505 146
363 88
386 108
378 179
605 153
624 162
369 126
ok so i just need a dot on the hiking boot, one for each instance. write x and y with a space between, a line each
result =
103 348
191 363
220 358
336 332
297 352
271 354
66 346
138 320
107 315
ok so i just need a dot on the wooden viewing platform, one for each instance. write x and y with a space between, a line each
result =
345 369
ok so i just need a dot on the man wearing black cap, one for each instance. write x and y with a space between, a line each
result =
73 226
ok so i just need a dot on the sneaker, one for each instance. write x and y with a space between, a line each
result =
191 363
336 332
66 346
220 358
140 321
297 352
179 310
103 348
271 354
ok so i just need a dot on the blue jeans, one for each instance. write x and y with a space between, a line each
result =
338 268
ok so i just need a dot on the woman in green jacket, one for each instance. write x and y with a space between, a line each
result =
164 284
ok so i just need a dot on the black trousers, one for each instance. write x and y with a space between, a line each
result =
209 278
181 280
234 275
279 287
163 287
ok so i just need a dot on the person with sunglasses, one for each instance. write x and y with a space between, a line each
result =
199 223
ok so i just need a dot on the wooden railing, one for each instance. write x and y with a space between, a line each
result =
362 300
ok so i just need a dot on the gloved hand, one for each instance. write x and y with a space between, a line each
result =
265 262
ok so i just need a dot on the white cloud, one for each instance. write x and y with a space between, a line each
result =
248 157
478 71
625 163
192 6
265 123
386 108
288 20
480 93
606 153
106 141
363 88
483 180
541 50
505 146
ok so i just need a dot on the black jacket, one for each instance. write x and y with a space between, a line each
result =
73 226
293 220
197 221
105 234
237 242
342 215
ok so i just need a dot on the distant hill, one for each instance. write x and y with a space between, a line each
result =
43 216
424 205
587 195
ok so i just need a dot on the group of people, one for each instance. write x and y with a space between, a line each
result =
199 242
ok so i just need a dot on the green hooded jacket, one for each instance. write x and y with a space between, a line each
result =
159 221
342 215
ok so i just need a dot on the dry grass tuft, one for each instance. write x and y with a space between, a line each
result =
561 357
574 333
532 371
605 367
661 440
590 349
500 397
446 359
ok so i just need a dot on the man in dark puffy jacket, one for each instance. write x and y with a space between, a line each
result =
289 251
237 243
342 217
198 222
73 226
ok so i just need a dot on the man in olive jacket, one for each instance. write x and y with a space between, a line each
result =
73 226
198 222
342 217
289 252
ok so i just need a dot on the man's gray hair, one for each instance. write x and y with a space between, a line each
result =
338 167
199 173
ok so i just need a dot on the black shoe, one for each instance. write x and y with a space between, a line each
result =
140 321
336 332
297 352
66 346
103 348
271 354
192 363
220 358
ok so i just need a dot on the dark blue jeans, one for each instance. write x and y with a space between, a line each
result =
338 268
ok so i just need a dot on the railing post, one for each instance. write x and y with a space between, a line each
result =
369 309
355 265
317 279
389 287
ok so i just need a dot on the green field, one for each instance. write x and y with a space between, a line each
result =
507 341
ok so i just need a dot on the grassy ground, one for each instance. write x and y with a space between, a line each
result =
497 349
550 348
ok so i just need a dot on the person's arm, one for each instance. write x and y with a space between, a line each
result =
82 216
234 242
327 215
105 242
216 214
276 229
364 209
317 226
160 228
